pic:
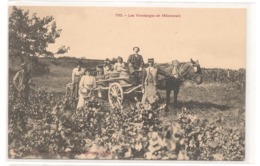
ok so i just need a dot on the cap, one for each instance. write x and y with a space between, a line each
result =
150 60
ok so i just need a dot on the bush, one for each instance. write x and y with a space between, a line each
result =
50 127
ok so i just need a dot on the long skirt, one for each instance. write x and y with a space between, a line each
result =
81 101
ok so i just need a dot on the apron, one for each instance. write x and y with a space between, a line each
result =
150 90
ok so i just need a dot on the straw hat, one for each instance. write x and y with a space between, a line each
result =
84 92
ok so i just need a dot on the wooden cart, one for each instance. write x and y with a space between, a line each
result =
117 88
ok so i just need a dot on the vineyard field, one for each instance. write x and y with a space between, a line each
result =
208 123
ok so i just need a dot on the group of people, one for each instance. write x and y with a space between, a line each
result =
83 82
135 63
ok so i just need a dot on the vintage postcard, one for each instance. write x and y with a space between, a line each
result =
127 83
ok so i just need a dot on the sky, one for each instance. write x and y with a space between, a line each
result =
215 37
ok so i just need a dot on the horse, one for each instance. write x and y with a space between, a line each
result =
186 71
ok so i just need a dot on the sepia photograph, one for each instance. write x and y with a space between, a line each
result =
127 83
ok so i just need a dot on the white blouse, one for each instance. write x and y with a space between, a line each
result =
77 72
87 81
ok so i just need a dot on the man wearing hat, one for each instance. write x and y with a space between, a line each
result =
173 69
77 72
86 86
150 78
135 61
22 81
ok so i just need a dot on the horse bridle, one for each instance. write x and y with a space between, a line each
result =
186 75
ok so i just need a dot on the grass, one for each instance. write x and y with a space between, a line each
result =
212 101
56 81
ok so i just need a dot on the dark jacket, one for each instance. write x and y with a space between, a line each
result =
136 61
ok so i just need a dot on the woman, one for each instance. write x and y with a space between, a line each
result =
120 65
107 67
86 86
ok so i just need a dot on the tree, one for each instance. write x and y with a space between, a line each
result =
30 35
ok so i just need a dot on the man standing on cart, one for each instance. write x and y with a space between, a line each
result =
135 61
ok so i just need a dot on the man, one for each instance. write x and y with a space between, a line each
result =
77 72
22 81
173 69
135 61
150 79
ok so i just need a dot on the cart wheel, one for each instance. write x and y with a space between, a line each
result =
115 95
